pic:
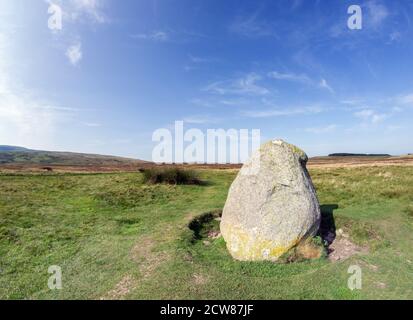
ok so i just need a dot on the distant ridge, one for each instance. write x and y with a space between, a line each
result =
359 155
13 148
19 155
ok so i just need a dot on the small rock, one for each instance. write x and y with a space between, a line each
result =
214 234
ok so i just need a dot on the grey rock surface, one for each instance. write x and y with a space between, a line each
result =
272 204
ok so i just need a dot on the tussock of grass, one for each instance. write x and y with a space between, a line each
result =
170 176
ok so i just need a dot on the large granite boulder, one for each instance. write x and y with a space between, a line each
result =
272 204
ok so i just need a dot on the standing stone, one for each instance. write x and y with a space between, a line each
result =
271 211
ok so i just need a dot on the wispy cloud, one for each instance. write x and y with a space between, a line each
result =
252 26
27 120
92 124
300 78
247 85
323 84
406 99
321 130
90 8
352 102
377 13
371 116
278 112
303 78
157 35
195 62
84 11
74 53
196 59
76 12
200 119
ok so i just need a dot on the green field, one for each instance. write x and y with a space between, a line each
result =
117 238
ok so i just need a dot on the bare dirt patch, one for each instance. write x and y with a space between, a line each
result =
200 279
148 260
121 289
342 248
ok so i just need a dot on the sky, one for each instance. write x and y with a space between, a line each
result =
117 71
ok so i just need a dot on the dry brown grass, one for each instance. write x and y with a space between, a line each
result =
308 250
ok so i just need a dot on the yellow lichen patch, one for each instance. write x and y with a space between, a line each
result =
246 247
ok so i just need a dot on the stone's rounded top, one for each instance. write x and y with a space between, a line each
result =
278 142
281 143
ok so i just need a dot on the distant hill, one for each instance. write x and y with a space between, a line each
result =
358 155
19 155
13 148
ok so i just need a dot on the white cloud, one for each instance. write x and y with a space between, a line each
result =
406 99
364 114
74 13
395 36
92 124
323 84
320 130
91 9
252 26
370 116
352 102
379 117
290 77
282 112
377 13
300 78
194 59
74 53
199 119
159 36
244 85
25 118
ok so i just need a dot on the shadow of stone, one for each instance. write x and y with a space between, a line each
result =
327 230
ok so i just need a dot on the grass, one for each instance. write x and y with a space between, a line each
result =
116 237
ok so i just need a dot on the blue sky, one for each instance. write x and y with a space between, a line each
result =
119 70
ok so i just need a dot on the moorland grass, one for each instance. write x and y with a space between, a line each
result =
105 228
